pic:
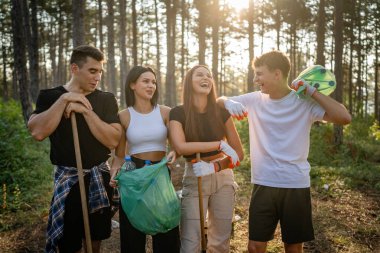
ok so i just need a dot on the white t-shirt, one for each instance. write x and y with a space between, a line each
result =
279 133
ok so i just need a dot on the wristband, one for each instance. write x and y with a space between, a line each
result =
219 166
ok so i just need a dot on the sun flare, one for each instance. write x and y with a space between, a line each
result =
238 5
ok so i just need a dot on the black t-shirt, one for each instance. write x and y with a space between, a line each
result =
62 150
207 133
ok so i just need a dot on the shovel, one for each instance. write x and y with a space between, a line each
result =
202 219
81 183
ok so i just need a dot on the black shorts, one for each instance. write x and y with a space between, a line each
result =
290 206
73 230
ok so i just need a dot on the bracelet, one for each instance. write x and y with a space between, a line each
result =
215 167
219 166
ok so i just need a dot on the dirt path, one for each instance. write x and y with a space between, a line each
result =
345 221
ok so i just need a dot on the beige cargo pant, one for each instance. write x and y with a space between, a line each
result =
218 204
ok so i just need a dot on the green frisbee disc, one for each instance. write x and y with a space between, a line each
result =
320 78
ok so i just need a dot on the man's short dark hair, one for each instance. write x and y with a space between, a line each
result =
80 54
273 60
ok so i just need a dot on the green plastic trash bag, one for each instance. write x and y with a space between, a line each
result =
148 198
320 78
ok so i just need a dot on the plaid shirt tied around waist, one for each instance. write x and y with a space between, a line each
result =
64 179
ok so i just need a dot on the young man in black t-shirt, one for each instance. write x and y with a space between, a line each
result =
99 131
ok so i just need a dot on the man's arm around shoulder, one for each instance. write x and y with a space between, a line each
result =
236 109
220 101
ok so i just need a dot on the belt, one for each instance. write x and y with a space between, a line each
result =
141 162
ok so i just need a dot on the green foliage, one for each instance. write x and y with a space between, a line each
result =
355 163
321 148
375 130
25 168
361 140
360 144
242 128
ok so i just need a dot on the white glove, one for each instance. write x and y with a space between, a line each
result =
236 109
299 83
230 152
203 168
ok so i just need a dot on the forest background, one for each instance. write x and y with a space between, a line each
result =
171 36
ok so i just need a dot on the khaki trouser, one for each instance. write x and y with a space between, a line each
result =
218 203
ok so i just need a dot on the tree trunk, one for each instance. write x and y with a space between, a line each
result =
141 35
65 74
52 53
111 69
359 98
377 63
59 75
101 42
215 42
293 50
123 45
350 71
365 83
43 55
33 52
184 15
20 58
134 32
338 70
27 34
5 84
222 83
200 5
170 96
277 23
262 30
158 52
365 59
251 49
377 68
78 22
321 29
15 89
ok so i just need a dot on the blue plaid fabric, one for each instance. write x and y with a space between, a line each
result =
64 179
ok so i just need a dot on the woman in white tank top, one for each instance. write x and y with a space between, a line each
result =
145 136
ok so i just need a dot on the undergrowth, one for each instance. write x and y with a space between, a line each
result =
25 173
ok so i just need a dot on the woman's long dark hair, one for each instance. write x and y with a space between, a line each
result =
193 131
132 77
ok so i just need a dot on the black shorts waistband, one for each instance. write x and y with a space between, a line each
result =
141 162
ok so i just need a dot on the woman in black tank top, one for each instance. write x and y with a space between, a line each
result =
200 126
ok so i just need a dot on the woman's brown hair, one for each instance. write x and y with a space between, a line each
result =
193 131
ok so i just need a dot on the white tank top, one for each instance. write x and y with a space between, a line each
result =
146 132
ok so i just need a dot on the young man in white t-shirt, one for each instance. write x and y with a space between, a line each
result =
279 130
